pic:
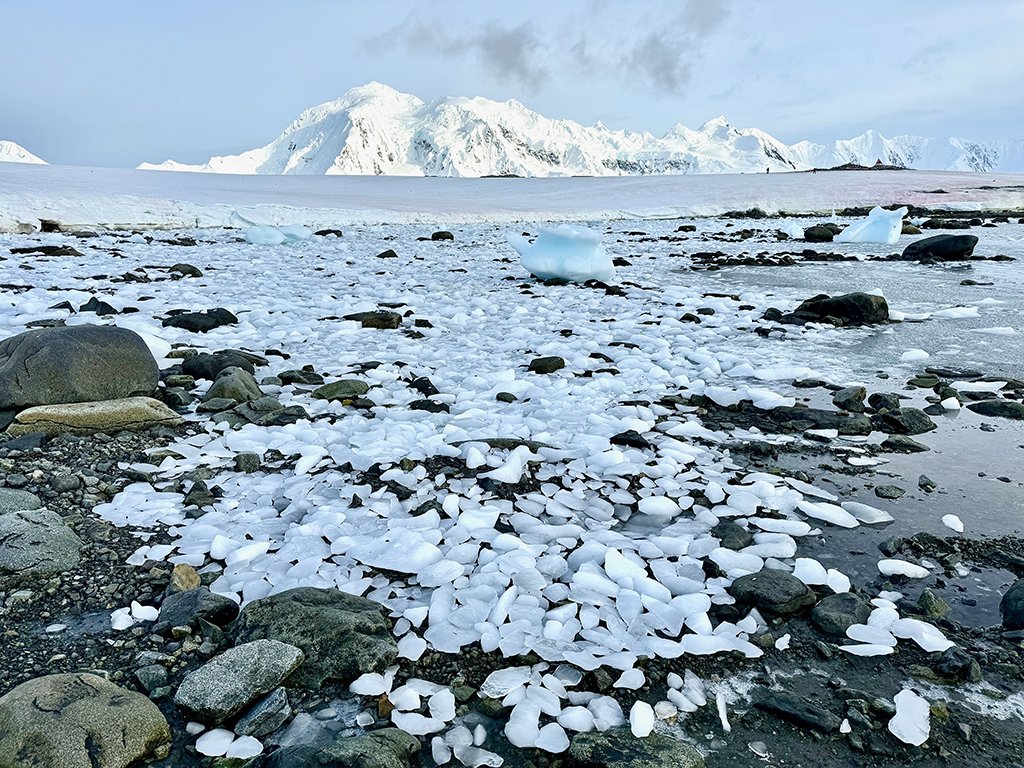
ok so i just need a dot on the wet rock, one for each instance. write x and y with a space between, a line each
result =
818 234
1006 409
799 711
956 664
903 444
848 310
630 439
384 748
931 605
342 635
732 535
618 748
904 421
186 608
1011 607
266 715
885 401
378 318
130 413
234 384
225 685
834 614
940 248
546 364
248 462
772 591
309 378
37 542
208 366
889 492
201 322
76 364
78 721
850 399
345 389
818 418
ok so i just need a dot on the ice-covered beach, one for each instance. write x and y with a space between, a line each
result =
567 510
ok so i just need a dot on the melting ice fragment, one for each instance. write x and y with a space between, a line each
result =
902 568
953 522
264 236
641 719
910 723
881 226
503 681
566 253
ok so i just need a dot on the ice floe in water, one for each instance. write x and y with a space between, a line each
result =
881 226
566 253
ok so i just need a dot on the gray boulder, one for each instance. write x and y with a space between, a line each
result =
186 608
266 715
847 309
225 685
818 234
37 543
772 591
850 399
78 364
618 748
78 721
1006 409
12 500
904 421
342 635
1011 607
234 384
837 613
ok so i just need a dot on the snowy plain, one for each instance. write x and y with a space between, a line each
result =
600 562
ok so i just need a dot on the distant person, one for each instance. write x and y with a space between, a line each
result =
768 169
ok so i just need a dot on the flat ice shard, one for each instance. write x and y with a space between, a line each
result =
910 723
566 253
881 226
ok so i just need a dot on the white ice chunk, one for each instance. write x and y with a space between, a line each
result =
922 633
881 226
641 719
503 681
914 354
416 724
631 679
865 513
910 724
264 236
552 738
953 522
215 743
902 568
567 253
244 747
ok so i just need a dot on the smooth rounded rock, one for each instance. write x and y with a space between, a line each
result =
130 413
78 721
834 614
37 542
773 591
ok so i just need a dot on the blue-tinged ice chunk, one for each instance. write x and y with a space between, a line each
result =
566 253
262 235
881 226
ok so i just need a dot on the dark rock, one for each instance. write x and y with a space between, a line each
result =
847 309
731 535
772 591
618 748
78 721
208 366
384 748
889 492
185 270
247 462
505 397
430 406
834 614
345 389
442 235
818 234
1006 409
940 248
342 635
185 609
885 401
309 378
1011 607
546 364
956 664
903 444
78 364
846 424
424 386
904 421
228 683
283 417
99 307
266 715
953 373
201 322
630 439
378 318
799 711
850 399
388 254
909 229
328 232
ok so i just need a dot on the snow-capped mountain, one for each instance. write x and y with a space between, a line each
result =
13 153
375 129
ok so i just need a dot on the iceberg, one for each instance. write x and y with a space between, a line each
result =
565 253
881 226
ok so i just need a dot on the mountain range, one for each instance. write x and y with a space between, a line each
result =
12 153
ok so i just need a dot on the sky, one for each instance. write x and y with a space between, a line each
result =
119 82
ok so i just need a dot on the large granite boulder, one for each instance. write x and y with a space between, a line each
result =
342 635
79 364
129 413
775 592
940 248
78 721
847 309
36 542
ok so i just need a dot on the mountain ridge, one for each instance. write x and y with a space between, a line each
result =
376 130
15 153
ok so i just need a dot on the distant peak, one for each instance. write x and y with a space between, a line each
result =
715 123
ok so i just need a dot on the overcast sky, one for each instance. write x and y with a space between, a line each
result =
118 82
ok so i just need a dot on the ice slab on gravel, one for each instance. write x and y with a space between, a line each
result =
911 723
565 253
881 226
902 568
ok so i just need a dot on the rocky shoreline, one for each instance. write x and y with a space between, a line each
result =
142 661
